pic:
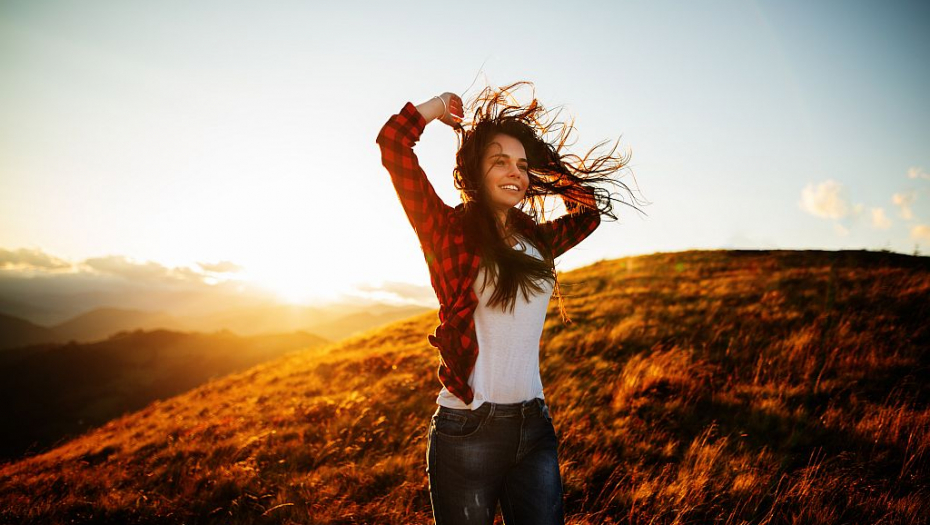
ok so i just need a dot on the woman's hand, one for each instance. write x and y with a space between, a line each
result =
446 108
454 112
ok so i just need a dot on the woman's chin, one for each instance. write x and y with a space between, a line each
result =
511 200
510 205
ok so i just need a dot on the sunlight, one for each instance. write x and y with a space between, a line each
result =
301 283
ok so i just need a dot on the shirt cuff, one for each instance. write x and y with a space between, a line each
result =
411 123
402 129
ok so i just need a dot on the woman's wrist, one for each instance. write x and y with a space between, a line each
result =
432 109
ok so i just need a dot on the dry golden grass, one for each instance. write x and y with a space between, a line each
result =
698 387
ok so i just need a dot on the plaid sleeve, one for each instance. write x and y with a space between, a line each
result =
425 210
573 227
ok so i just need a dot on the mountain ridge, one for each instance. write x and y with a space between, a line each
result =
99 323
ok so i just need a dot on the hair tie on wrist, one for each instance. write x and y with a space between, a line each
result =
444 108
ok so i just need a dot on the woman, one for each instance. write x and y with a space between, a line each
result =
491 438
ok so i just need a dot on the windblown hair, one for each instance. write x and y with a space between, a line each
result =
551 172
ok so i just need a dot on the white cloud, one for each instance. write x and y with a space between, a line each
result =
31 259
151 271
825 200
49 296
917 173
124 267
880 221
220 267
840 229
904 201
395 291
921 232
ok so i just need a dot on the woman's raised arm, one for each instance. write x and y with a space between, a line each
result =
580 220
446 107
425 210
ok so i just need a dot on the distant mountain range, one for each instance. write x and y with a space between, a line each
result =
97 324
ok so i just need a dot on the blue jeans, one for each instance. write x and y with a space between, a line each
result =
498 452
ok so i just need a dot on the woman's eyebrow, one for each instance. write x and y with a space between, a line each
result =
504 155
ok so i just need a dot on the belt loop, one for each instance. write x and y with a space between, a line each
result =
529 407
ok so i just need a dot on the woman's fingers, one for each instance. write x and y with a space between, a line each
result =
455 112
455 101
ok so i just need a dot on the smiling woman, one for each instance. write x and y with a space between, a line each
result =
506 175
492 437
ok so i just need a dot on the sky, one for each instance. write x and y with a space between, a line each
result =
235 141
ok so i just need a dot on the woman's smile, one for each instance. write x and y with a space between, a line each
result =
506 172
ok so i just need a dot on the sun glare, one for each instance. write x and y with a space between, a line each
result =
300 285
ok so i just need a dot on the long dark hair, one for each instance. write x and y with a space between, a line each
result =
551 172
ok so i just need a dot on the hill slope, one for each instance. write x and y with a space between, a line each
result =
695 387
19 332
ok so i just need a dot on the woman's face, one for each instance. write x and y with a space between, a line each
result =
506 172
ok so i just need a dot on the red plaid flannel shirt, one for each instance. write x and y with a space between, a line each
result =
453 262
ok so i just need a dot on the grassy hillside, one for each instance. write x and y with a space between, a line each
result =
698 387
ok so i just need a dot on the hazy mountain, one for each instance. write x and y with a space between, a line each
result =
334 323
100 323
345 326
103 322
19 332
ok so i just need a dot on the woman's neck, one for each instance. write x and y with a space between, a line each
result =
502 222
506 229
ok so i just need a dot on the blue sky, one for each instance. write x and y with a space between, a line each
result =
236 140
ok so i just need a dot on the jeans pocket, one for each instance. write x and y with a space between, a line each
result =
455 424
546 414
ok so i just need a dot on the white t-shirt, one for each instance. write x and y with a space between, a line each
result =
507 367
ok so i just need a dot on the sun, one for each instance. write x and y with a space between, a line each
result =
299 284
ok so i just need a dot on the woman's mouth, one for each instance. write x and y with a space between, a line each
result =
510 187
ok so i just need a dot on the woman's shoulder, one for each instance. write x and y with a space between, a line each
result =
530 229
457 213
454 221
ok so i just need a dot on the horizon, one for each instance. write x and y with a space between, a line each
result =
228 296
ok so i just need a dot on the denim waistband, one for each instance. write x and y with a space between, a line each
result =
524 408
